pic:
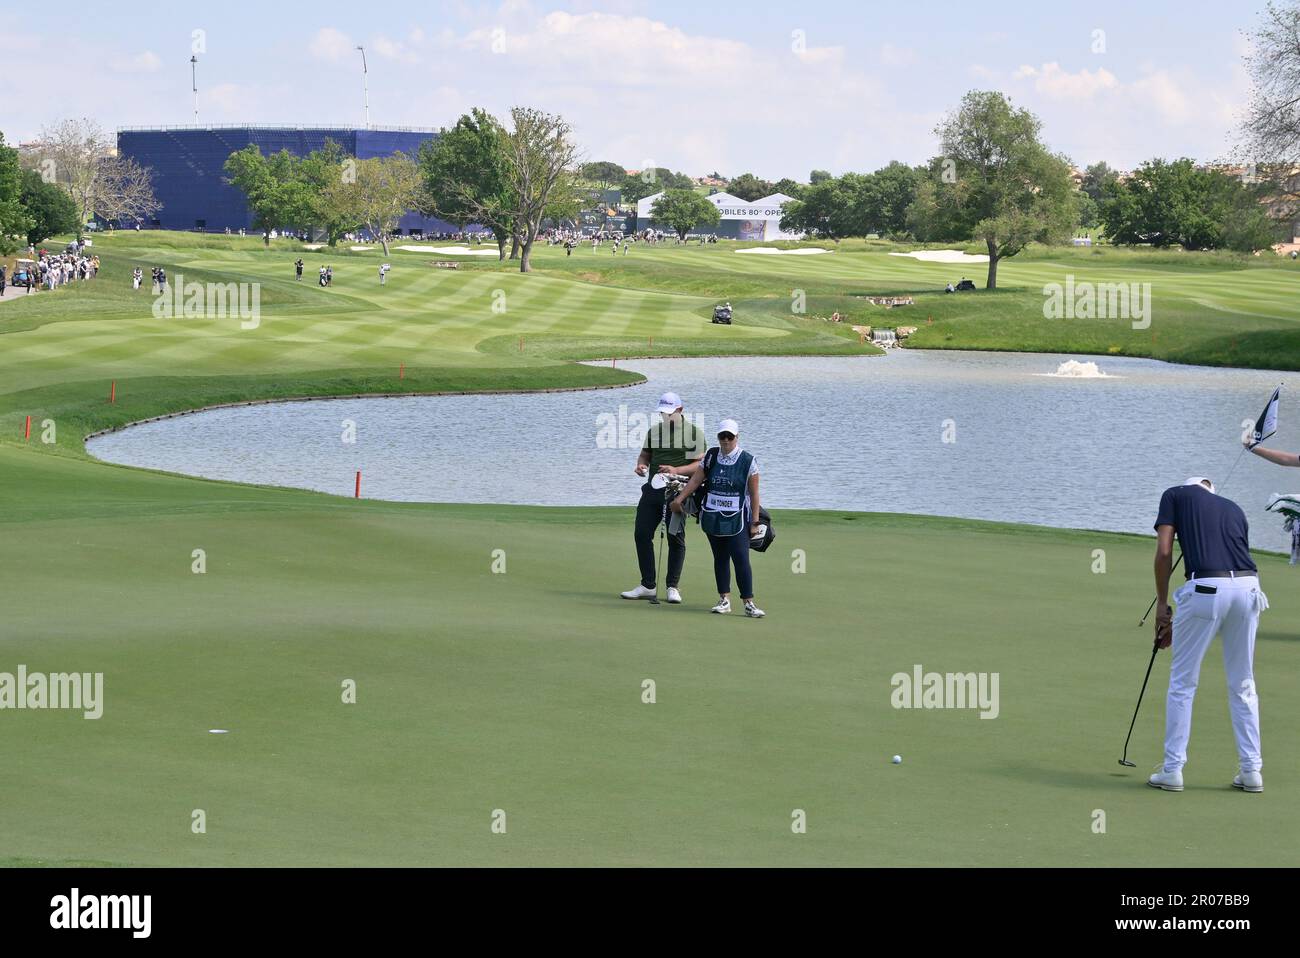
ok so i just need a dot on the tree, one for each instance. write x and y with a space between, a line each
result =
14 219
603 173
683 210
71 153
1095 179
125 191
818 176
382 191
1269 134
788 186
1086 210
638 186
831 209
316 172
994 182
272 187
465 178
539 158
886 195
747 186
1176 204
50 210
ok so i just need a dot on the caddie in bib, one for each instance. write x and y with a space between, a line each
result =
728 512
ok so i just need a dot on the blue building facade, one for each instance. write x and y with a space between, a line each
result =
189 179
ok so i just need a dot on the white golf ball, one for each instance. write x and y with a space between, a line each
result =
898 760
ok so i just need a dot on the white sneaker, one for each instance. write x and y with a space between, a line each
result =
722 608
1249 782
674 596
640 592
1169 781
753 611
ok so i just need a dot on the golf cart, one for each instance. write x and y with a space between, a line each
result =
722 314
24 273
965 284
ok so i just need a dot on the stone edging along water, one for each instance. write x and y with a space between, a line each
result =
284 399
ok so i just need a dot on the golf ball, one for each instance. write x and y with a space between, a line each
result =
898 760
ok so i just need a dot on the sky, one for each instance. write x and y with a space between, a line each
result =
773 88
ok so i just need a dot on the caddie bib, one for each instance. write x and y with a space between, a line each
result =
726 502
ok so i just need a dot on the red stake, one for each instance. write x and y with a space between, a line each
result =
401 371
112 392
27 433
357 494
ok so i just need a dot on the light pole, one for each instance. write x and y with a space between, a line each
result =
365 84
194 85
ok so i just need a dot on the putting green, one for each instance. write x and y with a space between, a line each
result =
522 690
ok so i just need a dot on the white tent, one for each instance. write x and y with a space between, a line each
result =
741 219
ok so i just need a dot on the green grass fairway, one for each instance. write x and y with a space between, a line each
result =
522 690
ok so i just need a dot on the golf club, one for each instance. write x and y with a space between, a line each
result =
672 486
1124 761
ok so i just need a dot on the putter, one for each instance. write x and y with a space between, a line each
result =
1124 761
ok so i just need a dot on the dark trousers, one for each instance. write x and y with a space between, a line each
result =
728 550
649 513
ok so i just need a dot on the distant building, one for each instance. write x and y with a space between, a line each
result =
741 219
189 179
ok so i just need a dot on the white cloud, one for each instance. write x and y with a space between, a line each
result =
1052 80
393 50
331 44
146 62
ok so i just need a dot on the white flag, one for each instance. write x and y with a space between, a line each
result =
1266 424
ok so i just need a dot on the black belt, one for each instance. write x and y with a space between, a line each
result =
1221 574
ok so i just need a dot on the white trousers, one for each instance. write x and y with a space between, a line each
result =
1233 610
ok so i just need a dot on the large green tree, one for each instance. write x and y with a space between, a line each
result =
749 187
994 182
50 210
276 193
604 173
1176 203
684 210
465 177
14 219
637 186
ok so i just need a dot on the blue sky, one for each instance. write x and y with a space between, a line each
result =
773 88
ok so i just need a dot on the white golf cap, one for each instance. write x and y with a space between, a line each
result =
669 402
728 425
1199 481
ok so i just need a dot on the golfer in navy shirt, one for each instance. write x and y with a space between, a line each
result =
1221 596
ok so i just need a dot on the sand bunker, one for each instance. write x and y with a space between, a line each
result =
771 251
360 249
944 256
450 250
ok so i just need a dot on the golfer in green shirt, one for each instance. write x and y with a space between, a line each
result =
673 441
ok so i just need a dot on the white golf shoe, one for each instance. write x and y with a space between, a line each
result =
640 592
722 608
1169 781
674 597
753 611
1249 782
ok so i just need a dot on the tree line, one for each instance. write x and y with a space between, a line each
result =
65 179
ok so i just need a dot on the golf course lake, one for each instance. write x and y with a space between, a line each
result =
1055 440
